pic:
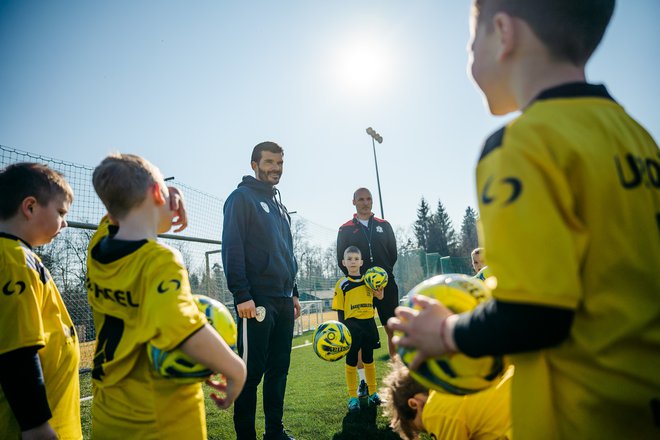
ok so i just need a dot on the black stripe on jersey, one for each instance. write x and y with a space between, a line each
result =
494 141
349 284
108 249
575 90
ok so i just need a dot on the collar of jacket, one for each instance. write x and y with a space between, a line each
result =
356 221
258 185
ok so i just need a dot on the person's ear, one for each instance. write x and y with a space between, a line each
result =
413 403
157 194
505 32
27 206
254 166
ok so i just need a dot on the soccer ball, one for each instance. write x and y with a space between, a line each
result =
375 278
332 340
178 366
455 373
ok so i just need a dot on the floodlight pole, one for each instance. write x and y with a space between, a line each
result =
376 137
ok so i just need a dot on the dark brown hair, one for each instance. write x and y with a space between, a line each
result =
570 29
25 179
399 386
265 146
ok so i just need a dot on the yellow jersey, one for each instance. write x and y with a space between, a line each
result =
32 313
354 298
139 292
482 416
570 210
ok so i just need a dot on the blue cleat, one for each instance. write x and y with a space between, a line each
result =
353 405
374 399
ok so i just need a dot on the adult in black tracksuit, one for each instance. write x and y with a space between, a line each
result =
257 254
375 239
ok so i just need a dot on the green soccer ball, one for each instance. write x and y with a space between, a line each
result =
178 366
332 341
375 278
454 373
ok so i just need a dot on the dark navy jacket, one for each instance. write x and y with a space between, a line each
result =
257 247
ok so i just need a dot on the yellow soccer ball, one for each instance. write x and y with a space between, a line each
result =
454 373
178 366
332 341
375 278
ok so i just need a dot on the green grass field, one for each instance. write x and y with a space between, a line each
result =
315 403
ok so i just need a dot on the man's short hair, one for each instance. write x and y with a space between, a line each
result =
352 250
25 179
570 29
477 251
358 190
265 146
122 180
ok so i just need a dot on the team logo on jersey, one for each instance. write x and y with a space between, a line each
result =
18 288
514 183
261 313
379 229
264 205
163 289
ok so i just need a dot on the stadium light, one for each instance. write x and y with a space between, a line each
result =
375 137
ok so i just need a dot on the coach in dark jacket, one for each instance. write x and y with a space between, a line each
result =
258 260
375 239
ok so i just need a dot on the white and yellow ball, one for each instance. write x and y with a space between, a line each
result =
375 278
454 373
178 366
332 341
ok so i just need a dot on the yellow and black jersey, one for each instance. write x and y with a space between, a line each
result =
354 298
482 416
32 314
139 292
570 210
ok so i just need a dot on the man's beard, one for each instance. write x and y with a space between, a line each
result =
263 176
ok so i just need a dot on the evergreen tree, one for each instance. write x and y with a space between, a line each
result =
469 237
443 236
423 224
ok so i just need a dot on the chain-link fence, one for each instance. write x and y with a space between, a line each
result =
199 244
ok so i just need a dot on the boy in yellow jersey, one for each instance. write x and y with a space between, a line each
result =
139 292
481 270
39 353
576 176
354 304
413 409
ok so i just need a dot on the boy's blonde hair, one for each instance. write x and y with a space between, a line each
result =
570 29
122 180
25 179
399 386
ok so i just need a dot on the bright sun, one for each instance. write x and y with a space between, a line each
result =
363 65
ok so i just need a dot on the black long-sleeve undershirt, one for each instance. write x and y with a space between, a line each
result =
498 328
23 384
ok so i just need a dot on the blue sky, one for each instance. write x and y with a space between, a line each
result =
193 86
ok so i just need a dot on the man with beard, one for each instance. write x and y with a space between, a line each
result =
257 254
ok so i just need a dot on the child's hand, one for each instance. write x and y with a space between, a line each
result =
176 205
229 390
379 294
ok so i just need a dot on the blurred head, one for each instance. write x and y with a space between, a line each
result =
404 401
568 30
478 259
352 259
363 203
39 195
267 162
124 181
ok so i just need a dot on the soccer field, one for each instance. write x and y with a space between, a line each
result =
315 403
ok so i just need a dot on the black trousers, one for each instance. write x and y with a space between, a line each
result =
265 347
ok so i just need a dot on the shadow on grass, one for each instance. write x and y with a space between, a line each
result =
362 426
